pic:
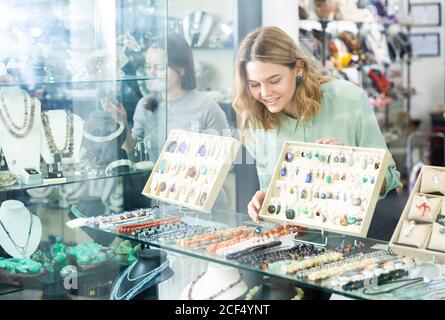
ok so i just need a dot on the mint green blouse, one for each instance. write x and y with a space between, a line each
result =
345 114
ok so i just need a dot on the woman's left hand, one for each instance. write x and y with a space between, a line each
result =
328 140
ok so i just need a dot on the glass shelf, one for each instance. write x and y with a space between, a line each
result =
70 179
38 81
226 220
386 24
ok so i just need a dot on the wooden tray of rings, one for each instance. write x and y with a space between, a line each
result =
420 231
191 169
326 187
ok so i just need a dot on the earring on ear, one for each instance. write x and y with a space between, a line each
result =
298 80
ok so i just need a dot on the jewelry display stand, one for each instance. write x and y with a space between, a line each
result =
142 277
420 231
376 40
57 120
19 234
219 282
191 169
22 129
326 187
101 145
197 27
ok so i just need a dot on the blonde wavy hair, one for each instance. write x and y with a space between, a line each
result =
273 45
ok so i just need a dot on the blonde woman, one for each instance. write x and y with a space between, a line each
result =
279 97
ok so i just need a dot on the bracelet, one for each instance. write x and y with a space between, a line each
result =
128 217
254 291
251 250
212 237
118 163
133 228
7 179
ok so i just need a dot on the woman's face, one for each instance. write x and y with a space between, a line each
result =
155 61
271 84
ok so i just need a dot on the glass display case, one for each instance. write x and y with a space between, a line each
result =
319 263
85 108
71 76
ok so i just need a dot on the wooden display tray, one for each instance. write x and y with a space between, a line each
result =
368 191
217 162
18 279
422 253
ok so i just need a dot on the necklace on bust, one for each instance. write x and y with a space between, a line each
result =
18 131
108 138
133 291
215 295
67 151
20 249
377 38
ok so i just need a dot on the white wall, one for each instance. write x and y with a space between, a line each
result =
282 14
219 62
428 74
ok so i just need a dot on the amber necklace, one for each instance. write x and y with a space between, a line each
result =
28 119
67 151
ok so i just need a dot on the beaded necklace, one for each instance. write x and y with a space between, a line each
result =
67 151
133 291
20 249
28 119
108 138
215 295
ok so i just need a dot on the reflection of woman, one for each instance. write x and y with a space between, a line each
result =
280 97
187 109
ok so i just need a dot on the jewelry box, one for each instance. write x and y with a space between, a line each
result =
31 176
420 231
191 169
326 187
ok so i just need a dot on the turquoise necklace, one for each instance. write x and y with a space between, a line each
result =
133 291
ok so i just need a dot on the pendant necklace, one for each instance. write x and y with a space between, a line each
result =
20 249
28 119
2 160
67 151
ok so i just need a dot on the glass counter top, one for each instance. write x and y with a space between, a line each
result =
222 219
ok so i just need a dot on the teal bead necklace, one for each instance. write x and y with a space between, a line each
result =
133 291
28 119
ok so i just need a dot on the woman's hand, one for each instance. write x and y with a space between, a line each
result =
328 140
116 109
255 204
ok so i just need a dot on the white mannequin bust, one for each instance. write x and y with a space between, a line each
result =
218 277
377 42
57 120
15 218
13 147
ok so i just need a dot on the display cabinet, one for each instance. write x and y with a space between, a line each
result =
71 75
319 263
73 222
